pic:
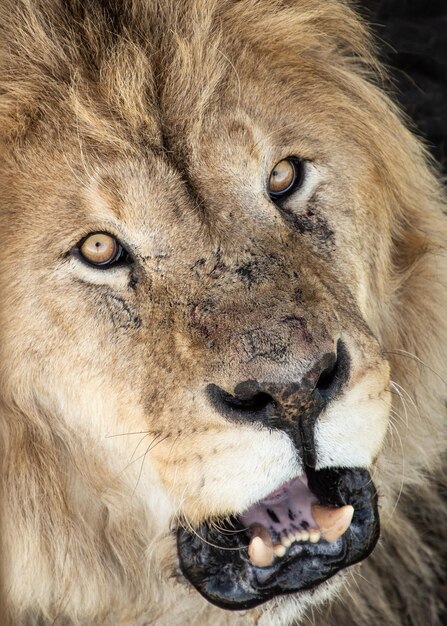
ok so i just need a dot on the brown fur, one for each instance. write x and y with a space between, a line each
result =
167 115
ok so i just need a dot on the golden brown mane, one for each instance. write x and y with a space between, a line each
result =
118 79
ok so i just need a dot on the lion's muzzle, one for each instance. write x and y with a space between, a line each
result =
217 560
292 407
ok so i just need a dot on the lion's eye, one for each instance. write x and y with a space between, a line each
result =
285 177
102 250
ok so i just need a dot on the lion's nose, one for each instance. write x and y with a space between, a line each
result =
293 407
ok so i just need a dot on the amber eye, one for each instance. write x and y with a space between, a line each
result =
285 177
101 250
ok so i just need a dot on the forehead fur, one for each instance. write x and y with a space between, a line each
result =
123 71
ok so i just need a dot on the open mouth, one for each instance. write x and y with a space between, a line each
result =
293 539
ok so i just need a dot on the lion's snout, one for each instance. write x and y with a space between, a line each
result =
291 406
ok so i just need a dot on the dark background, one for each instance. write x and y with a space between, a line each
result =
412 37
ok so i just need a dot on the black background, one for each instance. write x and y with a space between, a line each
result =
412 37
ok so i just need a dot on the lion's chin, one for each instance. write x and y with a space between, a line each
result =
215 559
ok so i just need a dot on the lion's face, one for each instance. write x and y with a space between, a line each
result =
233 344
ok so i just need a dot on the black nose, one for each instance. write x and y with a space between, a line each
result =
293 407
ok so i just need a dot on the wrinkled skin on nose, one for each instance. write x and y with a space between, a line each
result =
263 310
259 314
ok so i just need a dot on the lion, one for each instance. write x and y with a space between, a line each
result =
223 337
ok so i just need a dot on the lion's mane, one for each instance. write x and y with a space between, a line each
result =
70 62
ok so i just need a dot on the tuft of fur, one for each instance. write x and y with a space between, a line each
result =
84 82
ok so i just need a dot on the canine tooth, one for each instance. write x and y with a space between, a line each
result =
258 530
260 554
333 523
260 548
279 550
304 535
314 536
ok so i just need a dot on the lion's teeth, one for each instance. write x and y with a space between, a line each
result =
279 550
260 554
260 548
333 523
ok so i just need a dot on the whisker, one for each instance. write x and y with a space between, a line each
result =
399 393
138 445
346 588
209 543
403 470
150 447
398 388
368 582
227 531
395 413
137 432
401 352
138 458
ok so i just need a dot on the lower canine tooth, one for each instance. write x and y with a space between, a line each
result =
260 548
260 554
